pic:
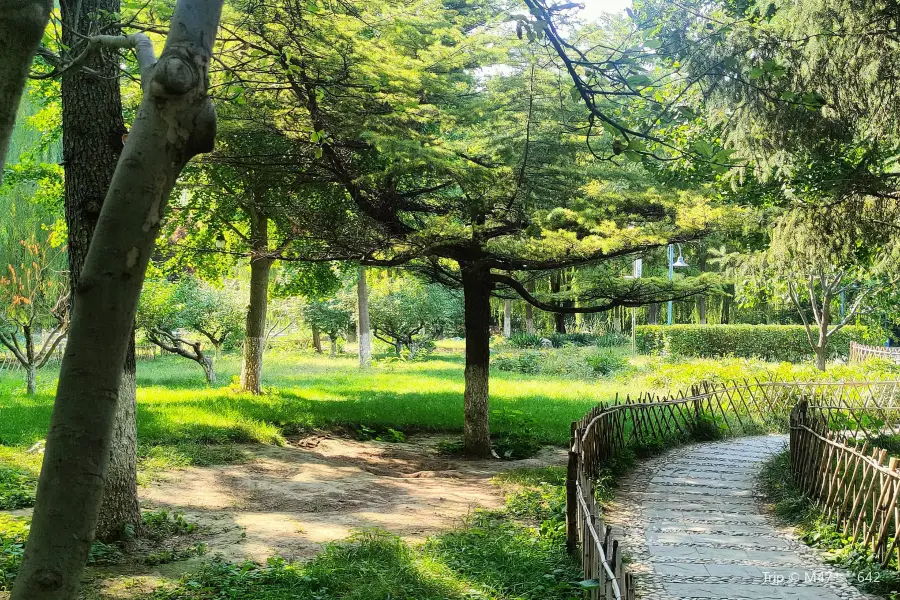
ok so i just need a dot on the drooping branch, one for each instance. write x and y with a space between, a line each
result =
631 296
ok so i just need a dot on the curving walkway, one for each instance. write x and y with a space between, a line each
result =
694 528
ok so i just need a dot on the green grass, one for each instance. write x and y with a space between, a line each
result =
794 508
517 553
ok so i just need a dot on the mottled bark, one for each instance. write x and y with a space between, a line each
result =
477 295
30 380
22 24
363 325
333 339
255 332
653 314
701 309
175 121
93 126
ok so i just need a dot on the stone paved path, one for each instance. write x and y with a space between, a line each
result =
694 529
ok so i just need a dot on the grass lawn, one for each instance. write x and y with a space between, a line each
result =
309 391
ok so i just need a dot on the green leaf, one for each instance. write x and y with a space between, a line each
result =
703 148
632 156
755 73
638 81
588 584
653 44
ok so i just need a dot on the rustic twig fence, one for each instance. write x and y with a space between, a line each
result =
709 409
8 362
848 479
861 353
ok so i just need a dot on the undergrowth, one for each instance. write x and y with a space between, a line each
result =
793 507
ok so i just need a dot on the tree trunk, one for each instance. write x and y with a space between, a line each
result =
653 314
726 304
22 25
559 319
120 513
333 339
30 380
507 318
175 121
363 326
701 309
477 294
93 126
208 369
317 339
255 338
398 347
529 319
821 356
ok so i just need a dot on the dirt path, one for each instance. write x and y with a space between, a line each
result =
289 501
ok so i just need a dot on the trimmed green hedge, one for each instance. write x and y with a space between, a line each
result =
769 342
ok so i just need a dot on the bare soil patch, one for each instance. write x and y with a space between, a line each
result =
289 501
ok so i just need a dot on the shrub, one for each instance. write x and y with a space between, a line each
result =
525 340
13 532
606 363
560 340
527 362
770 342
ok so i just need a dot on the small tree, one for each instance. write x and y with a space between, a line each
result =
35 296
167 309
331 316
408 312
817 269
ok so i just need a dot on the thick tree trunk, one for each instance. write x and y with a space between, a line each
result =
653 314
398 347
507 318
701 309
22 24
477 294
821 357
255 337
363 326
317 339
93 126
175 121
120 513
529 319
333 339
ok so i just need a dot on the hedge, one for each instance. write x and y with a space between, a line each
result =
770 342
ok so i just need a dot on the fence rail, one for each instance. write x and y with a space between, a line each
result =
861 353
855 408
8 362
849 480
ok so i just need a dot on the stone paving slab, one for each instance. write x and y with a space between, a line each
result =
694 529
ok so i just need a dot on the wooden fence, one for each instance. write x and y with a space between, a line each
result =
861 353
709 409
849 480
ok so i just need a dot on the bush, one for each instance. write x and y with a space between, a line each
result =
606 363
560 340
582 363
770 342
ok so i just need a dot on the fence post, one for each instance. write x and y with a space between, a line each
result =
572 495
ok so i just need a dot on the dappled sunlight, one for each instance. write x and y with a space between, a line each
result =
288 501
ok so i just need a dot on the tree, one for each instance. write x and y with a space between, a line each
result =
330 316
34 296
818 269
22 24
174 122
469 195
408 312
166 309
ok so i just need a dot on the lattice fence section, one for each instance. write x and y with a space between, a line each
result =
849 480
858 409
861 353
